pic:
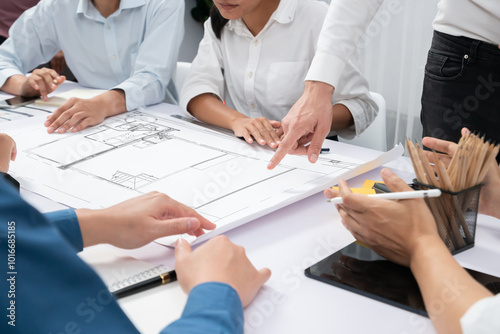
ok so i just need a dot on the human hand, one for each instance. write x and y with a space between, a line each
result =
78 114
8 151
140 220
41 82
58 63
490 192
263 130
309 120
219 260
393 229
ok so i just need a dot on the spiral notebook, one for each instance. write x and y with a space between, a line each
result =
148 310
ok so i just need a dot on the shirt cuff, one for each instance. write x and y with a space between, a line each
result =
326 68
66 222
134 97
212 305
7 73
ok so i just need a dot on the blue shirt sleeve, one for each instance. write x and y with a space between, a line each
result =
215 306
67 223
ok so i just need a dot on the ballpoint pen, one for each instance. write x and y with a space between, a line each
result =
161 279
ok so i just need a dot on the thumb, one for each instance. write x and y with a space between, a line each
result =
264 275
394 182
176 226
182 250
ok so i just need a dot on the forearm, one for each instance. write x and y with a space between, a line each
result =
14 84
210 109
342 117
447 289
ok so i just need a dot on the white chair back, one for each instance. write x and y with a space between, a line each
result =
182 72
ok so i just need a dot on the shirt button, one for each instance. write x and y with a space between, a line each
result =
113 57
250 75
256 42
252 106
108 26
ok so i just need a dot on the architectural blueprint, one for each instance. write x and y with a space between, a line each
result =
15 114
222 177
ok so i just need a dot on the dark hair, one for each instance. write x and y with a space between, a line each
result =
217 20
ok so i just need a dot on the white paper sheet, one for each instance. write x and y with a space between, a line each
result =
222 177
59 99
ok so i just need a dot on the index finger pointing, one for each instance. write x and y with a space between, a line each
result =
285 146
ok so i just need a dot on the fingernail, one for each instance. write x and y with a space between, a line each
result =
53 86
314 158
386 172
191 224
47 123
177 243
62 130
36 87
50 129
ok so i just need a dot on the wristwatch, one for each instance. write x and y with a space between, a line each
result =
10 180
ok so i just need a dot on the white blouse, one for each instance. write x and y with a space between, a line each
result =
482 317
263 75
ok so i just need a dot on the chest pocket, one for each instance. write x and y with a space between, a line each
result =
285 83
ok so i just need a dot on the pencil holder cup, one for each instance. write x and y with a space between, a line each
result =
455 214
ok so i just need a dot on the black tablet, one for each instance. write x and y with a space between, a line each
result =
360 270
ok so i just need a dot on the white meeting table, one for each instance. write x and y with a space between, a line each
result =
291 239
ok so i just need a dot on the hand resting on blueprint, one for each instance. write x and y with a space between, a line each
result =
261 129
77 114
140 220
219 260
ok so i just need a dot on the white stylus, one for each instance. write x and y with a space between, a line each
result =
398 195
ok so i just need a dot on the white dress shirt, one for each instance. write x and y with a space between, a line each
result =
134 49
344 26
263 75
482 317
347 20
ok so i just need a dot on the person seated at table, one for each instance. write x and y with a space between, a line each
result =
127 47
251 65
405 232
56 292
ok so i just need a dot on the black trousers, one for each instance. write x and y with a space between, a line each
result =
461 88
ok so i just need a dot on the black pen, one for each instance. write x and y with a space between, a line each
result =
161 279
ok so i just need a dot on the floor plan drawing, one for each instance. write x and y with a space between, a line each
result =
222 177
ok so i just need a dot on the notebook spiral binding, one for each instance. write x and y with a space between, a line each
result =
145 275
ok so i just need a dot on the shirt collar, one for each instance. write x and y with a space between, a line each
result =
86 7
283 14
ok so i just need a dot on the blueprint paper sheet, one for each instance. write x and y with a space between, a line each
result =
222 177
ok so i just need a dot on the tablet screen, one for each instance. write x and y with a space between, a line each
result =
360 270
